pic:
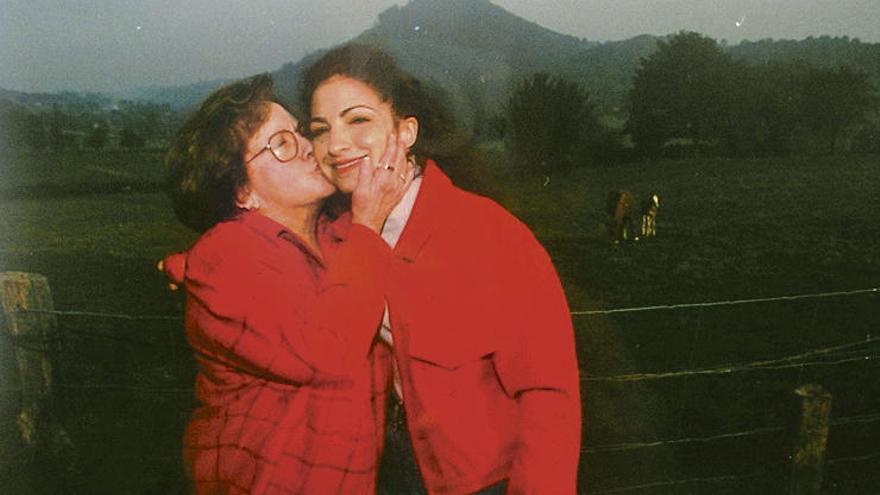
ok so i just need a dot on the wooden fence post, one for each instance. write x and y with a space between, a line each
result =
29 324
812 438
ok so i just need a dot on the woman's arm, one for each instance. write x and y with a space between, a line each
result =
243 310
538 367
245 316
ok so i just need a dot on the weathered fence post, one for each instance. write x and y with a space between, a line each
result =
29 326
810 442
28 323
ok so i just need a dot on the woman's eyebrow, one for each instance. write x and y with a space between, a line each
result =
342 113
345 111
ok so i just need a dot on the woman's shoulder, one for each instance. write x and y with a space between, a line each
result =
461 205
233 239
220 234
486 214
235 252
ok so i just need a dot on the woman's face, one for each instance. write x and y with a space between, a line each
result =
351 124
276 185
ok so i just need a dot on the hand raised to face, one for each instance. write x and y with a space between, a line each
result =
382 185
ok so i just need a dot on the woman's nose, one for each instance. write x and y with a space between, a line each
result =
306 147
337 141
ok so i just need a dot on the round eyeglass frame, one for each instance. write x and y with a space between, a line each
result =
274 151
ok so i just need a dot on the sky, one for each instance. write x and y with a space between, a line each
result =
117 45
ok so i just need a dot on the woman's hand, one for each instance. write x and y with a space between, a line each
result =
381 186
174 267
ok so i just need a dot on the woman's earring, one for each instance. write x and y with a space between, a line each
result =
411 158
251 203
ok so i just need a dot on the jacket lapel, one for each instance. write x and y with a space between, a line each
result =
427 211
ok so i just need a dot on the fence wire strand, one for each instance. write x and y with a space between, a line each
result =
851 420
100 314
658 307
859 458
122 386
732 302
658 484
641 445
764 430
793 361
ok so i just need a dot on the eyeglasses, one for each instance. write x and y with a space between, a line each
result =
283 144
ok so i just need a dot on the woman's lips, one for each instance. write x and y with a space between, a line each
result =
345 167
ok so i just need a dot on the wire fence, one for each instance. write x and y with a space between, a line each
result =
596 312
682 482
730 302
864 351
785 362
866 419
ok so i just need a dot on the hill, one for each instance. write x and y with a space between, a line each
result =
46 101
823 51
473 51
469 50
179 97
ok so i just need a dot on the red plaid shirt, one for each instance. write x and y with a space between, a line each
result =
290 384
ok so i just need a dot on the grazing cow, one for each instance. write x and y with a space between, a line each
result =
620 226
649 215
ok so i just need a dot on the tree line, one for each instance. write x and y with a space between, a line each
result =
86 122
691 98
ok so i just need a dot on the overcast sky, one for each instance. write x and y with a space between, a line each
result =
110 45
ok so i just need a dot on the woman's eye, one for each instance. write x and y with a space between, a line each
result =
316 132
360 120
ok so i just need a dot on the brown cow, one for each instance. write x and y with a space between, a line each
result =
620 226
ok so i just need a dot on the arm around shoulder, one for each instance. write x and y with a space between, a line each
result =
243 312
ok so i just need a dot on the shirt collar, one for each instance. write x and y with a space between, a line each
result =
435 193
397 220
273 231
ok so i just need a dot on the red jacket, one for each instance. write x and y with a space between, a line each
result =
485 346
290 383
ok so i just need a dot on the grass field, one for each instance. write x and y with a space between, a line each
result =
95 223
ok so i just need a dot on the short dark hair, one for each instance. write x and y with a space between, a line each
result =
205 167
376 68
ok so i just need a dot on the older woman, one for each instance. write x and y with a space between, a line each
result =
486 387
282 307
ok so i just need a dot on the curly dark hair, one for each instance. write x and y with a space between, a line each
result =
205 164
377 69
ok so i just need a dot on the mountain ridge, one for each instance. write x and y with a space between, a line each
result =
475 51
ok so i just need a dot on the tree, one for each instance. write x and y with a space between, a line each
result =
19 128
57 123
836 100
682 91
129 139
35 133
97 138
778 96
151 122
549 119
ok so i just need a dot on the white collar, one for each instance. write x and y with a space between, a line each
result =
396 221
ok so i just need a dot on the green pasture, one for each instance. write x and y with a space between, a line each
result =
95 223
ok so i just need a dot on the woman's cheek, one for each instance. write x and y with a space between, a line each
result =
375 143
319 148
